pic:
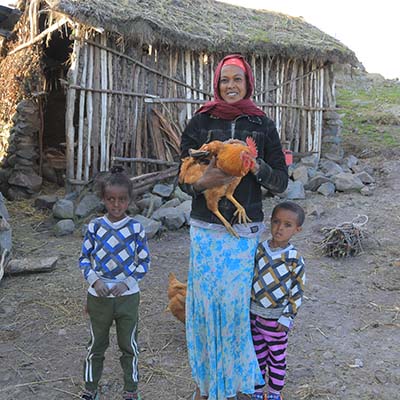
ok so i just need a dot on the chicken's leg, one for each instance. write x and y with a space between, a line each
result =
240 211
227 225
212 199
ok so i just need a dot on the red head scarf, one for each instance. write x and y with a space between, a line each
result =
219 107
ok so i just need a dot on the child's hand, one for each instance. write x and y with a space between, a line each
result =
118 289
282 328
101 288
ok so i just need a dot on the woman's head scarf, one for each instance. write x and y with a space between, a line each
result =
219 107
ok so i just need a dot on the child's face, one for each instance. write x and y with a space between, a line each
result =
116 200
283 226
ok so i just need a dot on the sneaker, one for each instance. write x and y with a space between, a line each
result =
273 396
257 396
131 396
88 395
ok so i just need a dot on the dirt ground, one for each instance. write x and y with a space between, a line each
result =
345 343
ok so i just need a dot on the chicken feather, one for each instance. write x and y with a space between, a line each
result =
235 158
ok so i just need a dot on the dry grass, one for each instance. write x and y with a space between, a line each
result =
209 25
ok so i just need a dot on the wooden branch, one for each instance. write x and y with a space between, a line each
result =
147 68
39 37
173 100
147 182
146 160
110 91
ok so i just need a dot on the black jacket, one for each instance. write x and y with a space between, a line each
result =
273 174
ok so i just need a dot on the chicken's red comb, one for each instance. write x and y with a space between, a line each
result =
252 146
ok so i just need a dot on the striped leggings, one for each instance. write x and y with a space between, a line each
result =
270 347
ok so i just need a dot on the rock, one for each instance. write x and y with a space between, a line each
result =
367 190
365 177
171 203
163 190
150 226
89 203
5 228
327 189
181 195
133 209
64 227
295 191
350 161
315 182
63 209
26 180
186 208
15 193
310 161
333 157
45 202
330 168
346 182
300 173
149 201
172 217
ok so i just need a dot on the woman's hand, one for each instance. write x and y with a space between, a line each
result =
101 288
212 177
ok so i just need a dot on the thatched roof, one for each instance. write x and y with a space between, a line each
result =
208 25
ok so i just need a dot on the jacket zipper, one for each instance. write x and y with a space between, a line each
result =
233 125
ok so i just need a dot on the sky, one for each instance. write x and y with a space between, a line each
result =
370 28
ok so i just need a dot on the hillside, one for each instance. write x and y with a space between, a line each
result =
370 110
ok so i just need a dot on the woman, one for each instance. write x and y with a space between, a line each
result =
220 347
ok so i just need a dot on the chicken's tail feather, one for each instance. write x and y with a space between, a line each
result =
252 146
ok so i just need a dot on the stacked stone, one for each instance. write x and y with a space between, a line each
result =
332 132
19 177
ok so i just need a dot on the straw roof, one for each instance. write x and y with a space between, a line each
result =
208 25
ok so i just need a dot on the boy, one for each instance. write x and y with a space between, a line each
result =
277 293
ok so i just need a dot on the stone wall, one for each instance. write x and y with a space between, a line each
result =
19 170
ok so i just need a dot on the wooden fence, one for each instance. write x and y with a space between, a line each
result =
131 101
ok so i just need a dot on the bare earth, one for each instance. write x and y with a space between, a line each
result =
345 344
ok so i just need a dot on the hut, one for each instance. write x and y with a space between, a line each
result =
97 82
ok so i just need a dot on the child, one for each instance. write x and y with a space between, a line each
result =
114 259
276 295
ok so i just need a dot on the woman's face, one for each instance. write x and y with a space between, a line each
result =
232 84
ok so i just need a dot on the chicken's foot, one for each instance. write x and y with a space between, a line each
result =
240 211
227 225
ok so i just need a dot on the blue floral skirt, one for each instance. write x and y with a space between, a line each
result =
220 347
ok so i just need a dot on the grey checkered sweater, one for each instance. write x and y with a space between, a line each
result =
278 283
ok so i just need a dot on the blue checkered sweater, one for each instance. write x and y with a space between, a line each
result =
278 283
115 252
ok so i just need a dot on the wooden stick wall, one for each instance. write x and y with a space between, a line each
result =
111 87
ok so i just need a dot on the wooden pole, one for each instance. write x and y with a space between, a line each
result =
89 102
103 117
69 116
79 161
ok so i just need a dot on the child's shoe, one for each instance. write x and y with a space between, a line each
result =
88 395
273 396
258 396
131 396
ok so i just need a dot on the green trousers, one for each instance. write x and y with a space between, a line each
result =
102 312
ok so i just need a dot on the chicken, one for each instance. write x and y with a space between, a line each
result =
235 158
177 297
